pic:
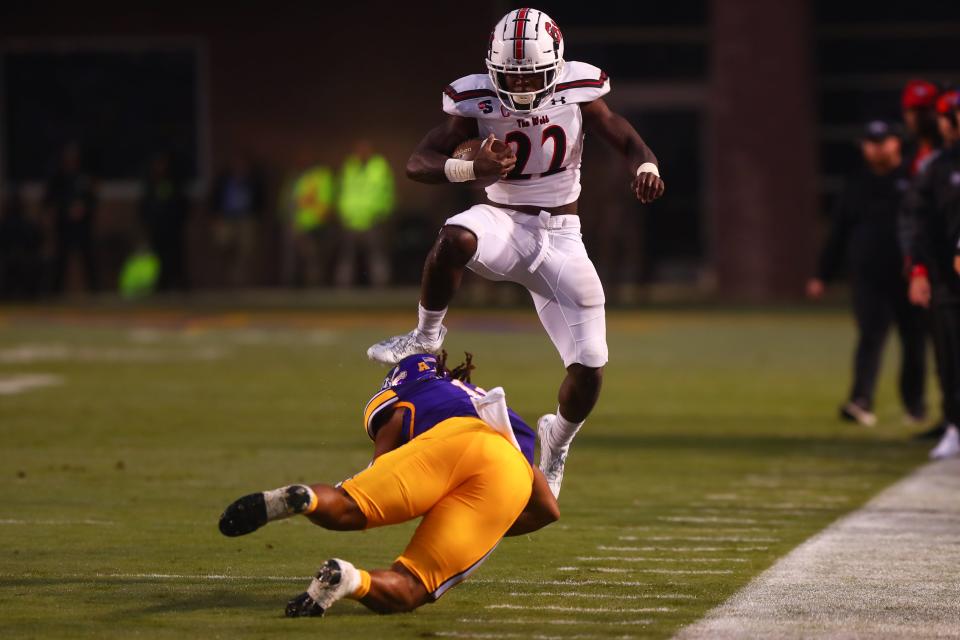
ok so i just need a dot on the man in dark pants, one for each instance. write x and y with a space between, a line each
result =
163 214
931 213
865 229
72 200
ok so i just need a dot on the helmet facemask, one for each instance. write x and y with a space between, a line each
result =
526 101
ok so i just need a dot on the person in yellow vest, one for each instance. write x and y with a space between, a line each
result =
308 199
364 202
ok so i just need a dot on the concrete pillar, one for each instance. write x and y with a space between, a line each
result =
762 147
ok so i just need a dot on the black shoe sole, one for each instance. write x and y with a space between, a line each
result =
934 433
244 516
303 606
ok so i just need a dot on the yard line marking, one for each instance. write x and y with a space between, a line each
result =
551 607
562 583
186 576
890 569
707 519
649 559
58 522
30 353
538 636
603 547
710 539
641 570
595 569
618 596
611 623
14 385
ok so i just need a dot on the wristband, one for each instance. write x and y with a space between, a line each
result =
918 271
459 170
648 167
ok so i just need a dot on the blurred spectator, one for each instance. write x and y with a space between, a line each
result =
21 248
163 214
306 204
71 200
365 201
919 100
932 209
864 230
237 204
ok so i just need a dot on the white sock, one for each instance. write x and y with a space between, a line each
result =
276 502
349 582
565 431
430 321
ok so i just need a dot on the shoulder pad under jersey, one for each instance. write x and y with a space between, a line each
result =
582 82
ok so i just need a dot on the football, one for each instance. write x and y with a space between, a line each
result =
467 150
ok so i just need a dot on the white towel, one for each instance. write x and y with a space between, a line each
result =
492 409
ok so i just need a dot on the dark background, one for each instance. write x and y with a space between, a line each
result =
753 108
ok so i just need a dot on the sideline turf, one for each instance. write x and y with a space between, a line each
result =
714 451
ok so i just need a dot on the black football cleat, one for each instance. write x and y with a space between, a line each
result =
303 606
244 516
251 512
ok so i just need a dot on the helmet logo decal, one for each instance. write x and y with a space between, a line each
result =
554 31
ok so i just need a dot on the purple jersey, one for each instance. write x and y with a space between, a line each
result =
426 403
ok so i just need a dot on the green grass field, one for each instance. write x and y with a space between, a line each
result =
714 451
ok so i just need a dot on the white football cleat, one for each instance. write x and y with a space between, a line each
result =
552 458
949 445
393 350
335 580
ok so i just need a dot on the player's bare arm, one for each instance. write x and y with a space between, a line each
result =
427 162
541 510
614 128
389 435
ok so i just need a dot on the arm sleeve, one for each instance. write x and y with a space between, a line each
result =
912 221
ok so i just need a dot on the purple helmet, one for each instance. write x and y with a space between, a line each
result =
420 366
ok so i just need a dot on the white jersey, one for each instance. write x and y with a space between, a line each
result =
548 143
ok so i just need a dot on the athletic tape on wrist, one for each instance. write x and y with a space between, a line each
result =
459 170
648 167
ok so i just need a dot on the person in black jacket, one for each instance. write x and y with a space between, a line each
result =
931 214
163 214
71 200
864 232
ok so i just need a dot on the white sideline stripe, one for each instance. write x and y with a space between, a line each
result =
648 559
57 523
611 623
590 596
13 385
888 570
553 607
639 570
603 547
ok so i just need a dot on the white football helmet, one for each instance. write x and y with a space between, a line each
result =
525 41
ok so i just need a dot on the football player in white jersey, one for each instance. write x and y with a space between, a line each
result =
528 230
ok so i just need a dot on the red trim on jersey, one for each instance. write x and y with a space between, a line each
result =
584 84
460 96
519 31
